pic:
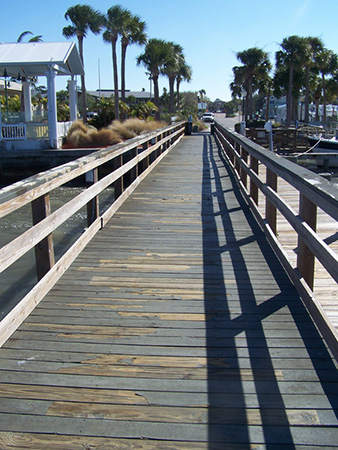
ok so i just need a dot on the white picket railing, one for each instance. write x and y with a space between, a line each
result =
31 131
13 132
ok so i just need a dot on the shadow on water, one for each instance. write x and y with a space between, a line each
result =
236 309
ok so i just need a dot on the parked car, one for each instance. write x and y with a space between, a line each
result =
208 117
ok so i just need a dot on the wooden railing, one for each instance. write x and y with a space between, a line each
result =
284 139
249 160
131 162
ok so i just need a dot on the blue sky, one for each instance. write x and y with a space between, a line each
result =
211 34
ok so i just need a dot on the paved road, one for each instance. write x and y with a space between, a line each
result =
228 122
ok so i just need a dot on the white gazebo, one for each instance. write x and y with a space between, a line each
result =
34 59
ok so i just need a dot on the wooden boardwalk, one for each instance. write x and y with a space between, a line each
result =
176 328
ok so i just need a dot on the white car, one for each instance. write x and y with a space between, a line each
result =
208 117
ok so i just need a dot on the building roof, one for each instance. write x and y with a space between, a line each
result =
108 93
35 58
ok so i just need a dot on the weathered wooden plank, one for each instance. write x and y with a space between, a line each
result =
39 441
129 397
220 432
190 333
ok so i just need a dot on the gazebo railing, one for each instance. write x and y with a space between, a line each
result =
13 132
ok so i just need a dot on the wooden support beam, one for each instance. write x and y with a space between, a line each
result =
118 184
93 205
270 209
253 186
44 250
244 177
305 258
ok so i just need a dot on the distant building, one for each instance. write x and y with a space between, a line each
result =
274 103
140 96
13 88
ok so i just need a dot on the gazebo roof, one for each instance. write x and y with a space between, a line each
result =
36 58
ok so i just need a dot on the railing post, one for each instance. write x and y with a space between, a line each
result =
237 164
44 251
93 205
244 157
159 150
253 186
134 170
270 209
305 258
118 184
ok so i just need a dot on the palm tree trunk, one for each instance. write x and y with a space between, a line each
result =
116 84
289 97
307 95
177 94
249 95
267 112
123 70
83 84
156 97
324 98
172 94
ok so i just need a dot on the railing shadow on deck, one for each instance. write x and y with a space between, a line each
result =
276 426
259 173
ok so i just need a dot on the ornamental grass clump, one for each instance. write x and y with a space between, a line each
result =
83 136
135 127
105 137
80 138
122 129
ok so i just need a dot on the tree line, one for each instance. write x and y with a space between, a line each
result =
159 56
304 67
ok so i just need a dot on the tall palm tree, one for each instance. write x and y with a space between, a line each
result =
171 68
255 66
115 23
132 33
184 73
154 57
327 63
83 18
314 46
293 55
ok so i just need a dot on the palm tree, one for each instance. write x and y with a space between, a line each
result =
293 55
314 46
255 66
171 68
83 18
32 39
327 63
133 33
154 57
115 23
184 73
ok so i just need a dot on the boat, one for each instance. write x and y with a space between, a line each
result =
326 151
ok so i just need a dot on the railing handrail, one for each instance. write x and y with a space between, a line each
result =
314 191
26 190
141 155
